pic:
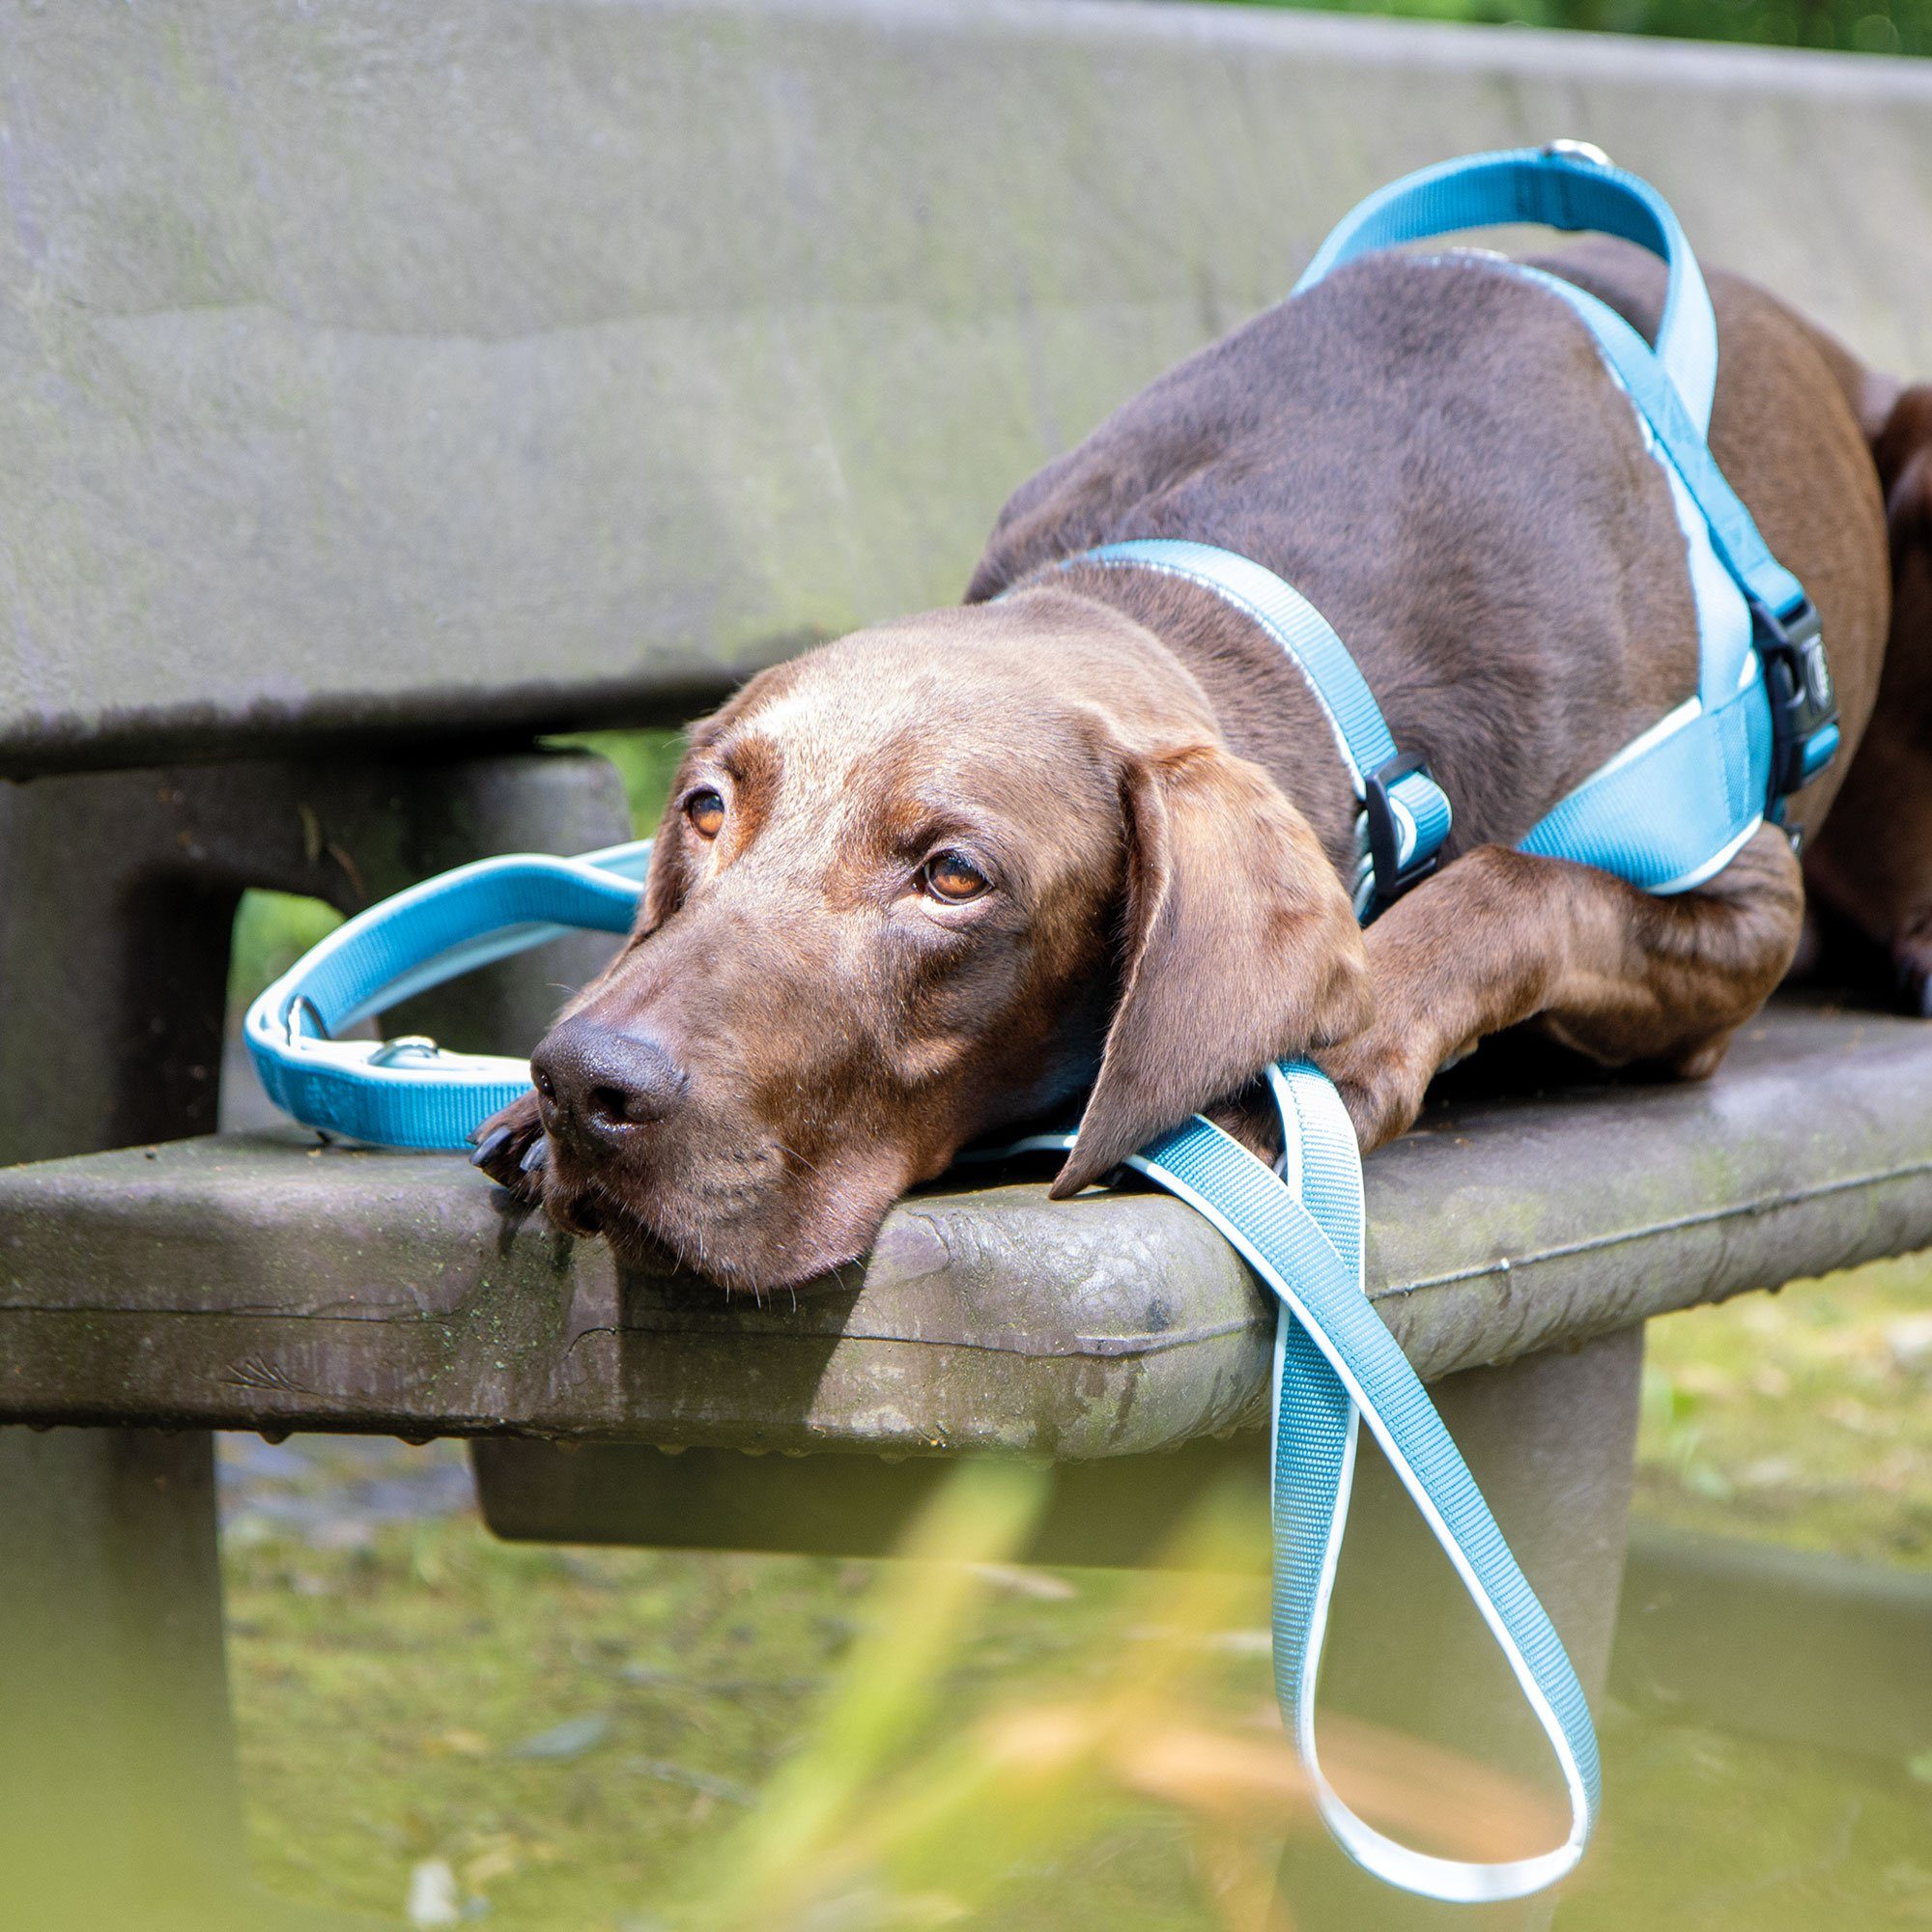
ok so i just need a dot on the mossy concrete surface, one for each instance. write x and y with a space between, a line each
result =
268 1282
448 363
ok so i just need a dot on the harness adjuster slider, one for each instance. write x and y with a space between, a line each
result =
1392 878
1804 704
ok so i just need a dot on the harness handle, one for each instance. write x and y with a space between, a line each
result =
1569 185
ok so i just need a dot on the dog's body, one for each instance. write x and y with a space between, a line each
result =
937 877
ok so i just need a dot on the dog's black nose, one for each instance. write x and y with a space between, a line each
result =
599 1083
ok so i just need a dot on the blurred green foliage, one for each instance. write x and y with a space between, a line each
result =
645 760
1850 26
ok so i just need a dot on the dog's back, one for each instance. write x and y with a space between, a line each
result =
1430 450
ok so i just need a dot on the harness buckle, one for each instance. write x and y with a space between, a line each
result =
1804 704
1392 878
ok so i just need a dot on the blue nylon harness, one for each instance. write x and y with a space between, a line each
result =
1666 813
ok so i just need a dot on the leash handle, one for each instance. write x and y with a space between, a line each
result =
1336 1363
1568 185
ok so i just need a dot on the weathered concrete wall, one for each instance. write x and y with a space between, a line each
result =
398 361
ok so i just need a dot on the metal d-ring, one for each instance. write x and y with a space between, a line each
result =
404 1042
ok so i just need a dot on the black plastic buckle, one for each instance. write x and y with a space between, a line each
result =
1392 877
1804 704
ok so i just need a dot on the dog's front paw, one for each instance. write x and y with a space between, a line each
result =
511 1148
1381 1083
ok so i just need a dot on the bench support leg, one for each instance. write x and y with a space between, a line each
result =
117 1780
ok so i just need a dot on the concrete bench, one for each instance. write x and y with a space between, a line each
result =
383 391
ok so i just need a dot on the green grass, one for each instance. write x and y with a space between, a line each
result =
1804 1417
1849 26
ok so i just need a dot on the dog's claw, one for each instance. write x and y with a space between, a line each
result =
488 1147
538 1153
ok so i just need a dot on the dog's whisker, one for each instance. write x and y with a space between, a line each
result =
792 1153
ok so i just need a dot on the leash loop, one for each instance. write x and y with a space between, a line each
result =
409 1092
1336 1364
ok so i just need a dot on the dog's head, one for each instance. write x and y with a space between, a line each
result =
924 882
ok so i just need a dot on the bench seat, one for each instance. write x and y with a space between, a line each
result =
261 1280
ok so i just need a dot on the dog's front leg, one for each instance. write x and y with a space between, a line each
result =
1498 938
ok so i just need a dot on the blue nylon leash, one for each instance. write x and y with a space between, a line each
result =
1668 811
1336 1363
411 1093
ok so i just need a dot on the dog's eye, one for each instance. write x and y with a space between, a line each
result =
952 878
705 809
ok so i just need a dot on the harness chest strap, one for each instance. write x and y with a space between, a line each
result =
1404 815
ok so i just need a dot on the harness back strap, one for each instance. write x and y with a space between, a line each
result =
1569 186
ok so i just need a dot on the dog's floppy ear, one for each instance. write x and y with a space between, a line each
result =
1240 948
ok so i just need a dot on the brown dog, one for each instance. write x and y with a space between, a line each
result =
943 876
